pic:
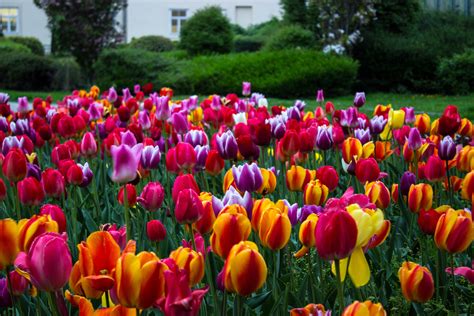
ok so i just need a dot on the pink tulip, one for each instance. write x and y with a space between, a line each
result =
125 162
189 207
88 145
466 272
48 262
152 196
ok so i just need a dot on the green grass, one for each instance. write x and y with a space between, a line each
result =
431 104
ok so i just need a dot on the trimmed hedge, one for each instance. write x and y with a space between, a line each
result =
7 46
292 36
152 43
244 43
126 67
285 74
68 74
31 42
456 74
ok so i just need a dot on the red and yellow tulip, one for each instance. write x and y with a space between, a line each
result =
416 282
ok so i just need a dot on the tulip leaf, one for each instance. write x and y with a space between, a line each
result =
89 221
258 299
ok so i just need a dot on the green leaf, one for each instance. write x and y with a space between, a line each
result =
258 299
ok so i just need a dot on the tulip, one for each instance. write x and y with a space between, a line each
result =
328 176
179 122
367 170
378 194
3 190
14 165
247 177
205 223
359 99
290 143
88 145
246 87
422 122
324 140
244 260
450 121
185 156
274 229
139 279
74 175
454 231
310 310
8 242
191 261
351 148
414 139
29 229
428 219
336 235
227 145
366 308
396 119
406 182
56 214
125 162
465 159
466 272
155 230
131 195
297 177
229 229
307 234
447 148
152 196
416 282
320 96
467 191
435 169
162 107
30 192
420 196
182 182
214 163
465 129
48 262
150 157
315 193
232 196
189 207
377 124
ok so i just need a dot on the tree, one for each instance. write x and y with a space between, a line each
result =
395 16
82 27
294 11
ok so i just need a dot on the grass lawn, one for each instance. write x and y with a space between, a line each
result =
431 104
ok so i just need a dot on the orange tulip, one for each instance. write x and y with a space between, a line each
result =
274 229
307 235
139 279
394 192
191 261
423 123
420 196
29 229
297 177
310 310
416 282
228 180
230 228
245 270
366 308
91 275
467 188
351 148
454 231
87 309
465 159
269 182
8 242
205 223
466 128
382 150
315 193
378 194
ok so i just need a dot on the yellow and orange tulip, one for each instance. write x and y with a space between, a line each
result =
297 177
416 282
351 149
367 308
191 261
420 196
269 182
454 231
8 242
315 193
230 228
205 223
307 234
378 194
29 229
274 229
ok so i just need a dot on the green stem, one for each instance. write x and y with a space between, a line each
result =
224 304
52 303
311 278
17 202
339 286
453 281
238 305
127 213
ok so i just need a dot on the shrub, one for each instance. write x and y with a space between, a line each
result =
25 71
126 67
152 43
291 36
7 46
68 74
31 42
207 31
247 43
456 74
288 73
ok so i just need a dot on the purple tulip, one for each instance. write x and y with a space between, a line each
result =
406 181
87 174
320 96
128 138
363 135
5 297
20 127
324 140
22 105
126 94
125 162
216 103
34 171
227 145
300 105
247 177
240 106
277 126
377 124
359 99
95 111
292 212
193 102
293 113
409 115
255 97
162 107
112 95
349 117
447 148
201 156
118 234
307 210
414 139
246 88
4 98
196 137
362 122
144 120
232 196
136 88
3 124
179 122
11 142
150 157
48 262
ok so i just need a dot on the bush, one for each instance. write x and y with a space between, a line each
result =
396 16
68 74
247 43
409 61
291 36
25 71
207 31
456 74
152 43
289 73
7 46
31 42
127 67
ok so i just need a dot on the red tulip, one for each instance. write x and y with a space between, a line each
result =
66 127
367 170
131 195
152 196
74 175
328 176
185 156
3 190
427 219
155 230
214 163
182 182
88 145
53 183
56 214
14 165
60 152
189 207
435 169
30 191
290 143
450 121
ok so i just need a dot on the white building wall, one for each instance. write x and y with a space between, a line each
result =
153 17
32 21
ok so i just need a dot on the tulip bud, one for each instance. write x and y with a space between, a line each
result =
125 162
247 177
56 214
367 170
182 182
205 223
214 163
307 234
324 140
155 230
366 308
447 148
414 139
328 176
229 229
274 229
407 180
74 175
297 177
454 231
378 194
359 99
351 147
420 196
131 195
191 261
152 196
30 192
315 193
185 156
435 169
246 88
416 282
189 207
450 121
14 165
53 183
467 191
88 145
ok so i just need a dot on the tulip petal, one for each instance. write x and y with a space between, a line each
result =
359 270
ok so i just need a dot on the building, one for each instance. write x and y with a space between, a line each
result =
141 17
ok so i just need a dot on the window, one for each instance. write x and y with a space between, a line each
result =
9 20
178 17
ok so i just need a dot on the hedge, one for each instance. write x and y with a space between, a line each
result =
68 74
285 74
31 42
456 74
7 46
152 43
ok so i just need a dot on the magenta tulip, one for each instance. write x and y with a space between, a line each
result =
125 162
